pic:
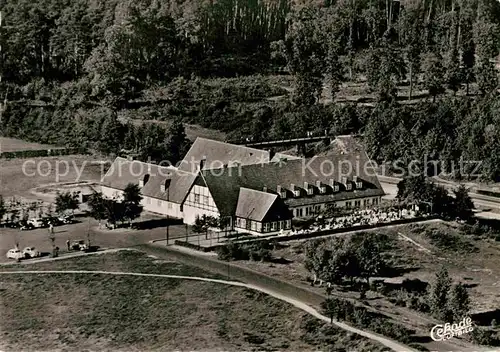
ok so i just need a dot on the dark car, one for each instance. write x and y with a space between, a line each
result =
24 225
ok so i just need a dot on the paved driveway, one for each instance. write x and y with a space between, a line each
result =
39 238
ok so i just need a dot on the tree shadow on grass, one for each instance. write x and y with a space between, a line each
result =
485 318
397 271
155 223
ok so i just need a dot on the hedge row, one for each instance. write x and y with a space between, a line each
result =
42 153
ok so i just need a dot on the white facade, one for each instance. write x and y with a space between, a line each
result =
199 202
154 205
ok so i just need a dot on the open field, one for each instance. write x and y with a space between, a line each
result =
128 313
14 145
19 176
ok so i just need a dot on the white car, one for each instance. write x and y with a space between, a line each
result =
30 252
15 254
37 223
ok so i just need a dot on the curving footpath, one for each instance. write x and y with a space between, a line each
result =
393 345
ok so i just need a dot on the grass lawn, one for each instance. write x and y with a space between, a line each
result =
124 313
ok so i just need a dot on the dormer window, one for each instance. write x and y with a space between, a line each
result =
321 187
336 188
348 186
296 192
308 188
358 182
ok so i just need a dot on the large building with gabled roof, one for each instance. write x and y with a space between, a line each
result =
255 190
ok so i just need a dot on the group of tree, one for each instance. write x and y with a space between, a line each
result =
417 190
204 223
124 208
339 259
448 303
67 201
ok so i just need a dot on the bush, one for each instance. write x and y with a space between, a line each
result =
449 242
232 251
484 337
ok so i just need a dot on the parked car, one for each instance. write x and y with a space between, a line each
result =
66 219
52 220
78 245
15 254
30 252
25 225
37 223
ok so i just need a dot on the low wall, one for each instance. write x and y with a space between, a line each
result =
305 236
42 153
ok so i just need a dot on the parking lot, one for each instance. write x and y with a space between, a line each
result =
119 238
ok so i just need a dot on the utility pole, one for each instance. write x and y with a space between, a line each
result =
168 217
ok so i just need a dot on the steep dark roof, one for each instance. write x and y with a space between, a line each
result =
224 184
123 172
219 153
253 204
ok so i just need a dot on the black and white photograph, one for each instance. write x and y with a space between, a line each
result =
249 175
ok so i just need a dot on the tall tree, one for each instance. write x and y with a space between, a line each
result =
463 203
439 295
97 206
67 201
3 208
132 198
433 74
410 32
459 303
304 51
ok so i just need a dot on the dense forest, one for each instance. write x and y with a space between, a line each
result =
73 69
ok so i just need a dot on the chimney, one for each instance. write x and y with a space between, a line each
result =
281 191
332 182
344 180
264 189
272 153
318 184
141 183
202 162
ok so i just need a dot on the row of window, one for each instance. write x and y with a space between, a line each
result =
257 226
159 202
315 209
307 211
357 203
